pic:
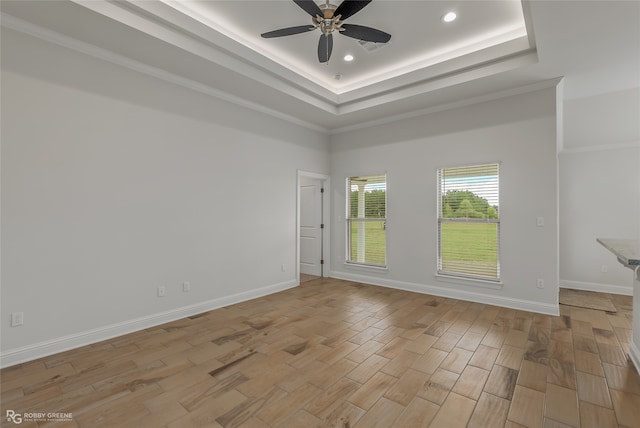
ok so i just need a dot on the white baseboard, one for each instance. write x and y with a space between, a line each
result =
634 354
65 343
601 288
507 302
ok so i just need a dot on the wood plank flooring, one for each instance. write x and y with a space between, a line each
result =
333 353
305 277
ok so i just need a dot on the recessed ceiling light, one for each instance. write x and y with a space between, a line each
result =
449 17
348 57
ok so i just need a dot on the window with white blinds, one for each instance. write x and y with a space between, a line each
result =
469 222
367 220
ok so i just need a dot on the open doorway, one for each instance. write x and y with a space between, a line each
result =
312 228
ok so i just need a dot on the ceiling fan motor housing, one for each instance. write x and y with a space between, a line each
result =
329 19
328 23
328 10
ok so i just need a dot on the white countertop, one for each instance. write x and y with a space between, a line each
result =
627 250
628 253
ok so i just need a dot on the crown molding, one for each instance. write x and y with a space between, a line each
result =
601 148
50 36
196 36
450 106
178 25
28 28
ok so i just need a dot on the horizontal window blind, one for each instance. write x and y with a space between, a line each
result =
367 220
469 222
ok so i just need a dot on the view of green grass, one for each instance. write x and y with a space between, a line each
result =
465 246
470 246
375 242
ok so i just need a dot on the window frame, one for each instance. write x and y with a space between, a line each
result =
461 274
349 221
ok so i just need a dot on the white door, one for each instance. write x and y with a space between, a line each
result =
310 226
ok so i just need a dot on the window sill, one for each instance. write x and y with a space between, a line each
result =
366 267
495 285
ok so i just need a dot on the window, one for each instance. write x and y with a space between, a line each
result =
367 220
469 222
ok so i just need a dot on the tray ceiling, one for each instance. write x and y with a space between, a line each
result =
420 37
214 47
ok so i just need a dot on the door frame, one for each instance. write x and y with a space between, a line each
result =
326 211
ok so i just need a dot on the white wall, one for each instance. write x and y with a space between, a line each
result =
519 132
114 183
600 198
602 120
599 188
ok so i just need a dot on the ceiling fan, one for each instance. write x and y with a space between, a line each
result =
329 18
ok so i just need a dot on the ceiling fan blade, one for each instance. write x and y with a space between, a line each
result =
310 7
325 46
350 7
288 31
368 34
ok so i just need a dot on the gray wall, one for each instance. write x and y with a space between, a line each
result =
599 188
520 133
114 183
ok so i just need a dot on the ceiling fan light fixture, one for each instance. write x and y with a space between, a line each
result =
449 17
349 58
328 18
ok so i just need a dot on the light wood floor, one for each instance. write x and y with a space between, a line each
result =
336 353
306 277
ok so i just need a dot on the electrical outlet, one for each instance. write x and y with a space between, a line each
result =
605 269
540 283
162 291
540 221
186 286
17 319
283 267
